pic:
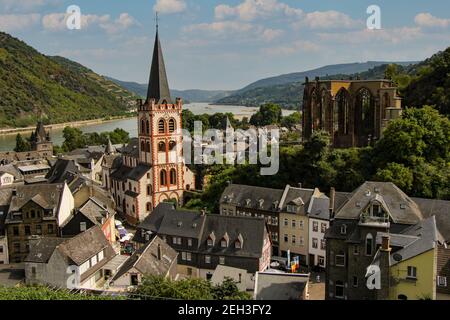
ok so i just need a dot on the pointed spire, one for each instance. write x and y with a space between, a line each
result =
158 87
110 148
40 134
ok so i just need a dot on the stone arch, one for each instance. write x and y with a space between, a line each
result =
315 111
163 197
364 115
326 111
342 112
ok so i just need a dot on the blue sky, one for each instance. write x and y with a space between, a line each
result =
227 44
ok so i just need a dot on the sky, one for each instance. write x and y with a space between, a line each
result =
227 44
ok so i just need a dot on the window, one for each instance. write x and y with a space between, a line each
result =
176 240
183 256
355 250
208 259
148 129
223 243
190 242
33 271
171 125
161 126
17 247
172 145
221 260
1 249
100 256
149 206
294 224
27 230
15 231
355 281
237 244
142 126
315 226
369 244
134 280
173 176
315 243
149 190
38 229
274 236
209 242
321 261
344 229
323 227
441 281
286 238
161 147
82 226
340 259
302 224
339 289
292 209
302 241
412 272
50 228
293 239
323 244
163 178
286 222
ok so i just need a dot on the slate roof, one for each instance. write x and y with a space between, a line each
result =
46 195
280 286
441 210
296 196
158 86
84 246
95 211
124 173
12 170
146 261
131 149
251 229
412 242
62 170
42 249
238 195
392 196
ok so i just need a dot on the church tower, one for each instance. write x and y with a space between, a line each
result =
160 136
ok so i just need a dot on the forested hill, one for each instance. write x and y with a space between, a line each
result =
34 86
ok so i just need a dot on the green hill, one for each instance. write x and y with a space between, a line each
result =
34 86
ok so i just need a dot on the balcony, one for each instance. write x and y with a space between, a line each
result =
374 220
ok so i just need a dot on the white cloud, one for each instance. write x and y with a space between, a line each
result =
56 22
169 6
327 20
295 47
236 29
251 9
17 22
427 20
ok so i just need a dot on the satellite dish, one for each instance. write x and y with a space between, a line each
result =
397 257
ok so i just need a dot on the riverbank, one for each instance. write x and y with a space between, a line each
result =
57 126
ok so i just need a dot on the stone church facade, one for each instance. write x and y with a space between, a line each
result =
354 112
153 168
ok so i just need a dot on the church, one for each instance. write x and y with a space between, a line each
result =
354 112
153 168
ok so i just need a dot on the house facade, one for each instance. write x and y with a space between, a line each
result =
205 241
35 211
378 226
69 263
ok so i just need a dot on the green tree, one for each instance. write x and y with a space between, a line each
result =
268 114
291 120
398 174
22 145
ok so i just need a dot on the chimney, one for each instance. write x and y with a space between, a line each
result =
332 200
385 243
159 252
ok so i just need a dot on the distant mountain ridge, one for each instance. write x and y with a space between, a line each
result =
194 95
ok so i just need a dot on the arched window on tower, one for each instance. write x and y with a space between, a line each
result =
142 126
162 147
162 126
142 146
173 176
148 146
148 127
172 125
172 145
163 178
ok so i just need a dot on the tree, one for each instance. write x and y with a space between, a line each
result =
156 287
268 114
21 144
398 174
291 120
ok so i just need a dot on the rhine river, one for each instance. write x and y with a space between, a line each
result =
8 142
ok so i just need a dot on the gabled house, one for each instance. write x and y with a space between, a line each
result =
206 241
36 211
378 219
69 263
155 258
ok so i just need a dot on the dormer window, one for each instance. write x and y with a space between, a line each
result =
248 202
210 242
344 229
223 243
292 209
261 202
237 244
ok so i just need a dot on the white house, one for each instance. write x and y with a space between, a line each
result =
6 179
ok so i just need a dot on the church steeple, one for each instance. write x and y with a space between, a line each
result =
158 86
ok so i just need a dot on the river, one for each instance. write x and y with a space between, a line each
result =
8 142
